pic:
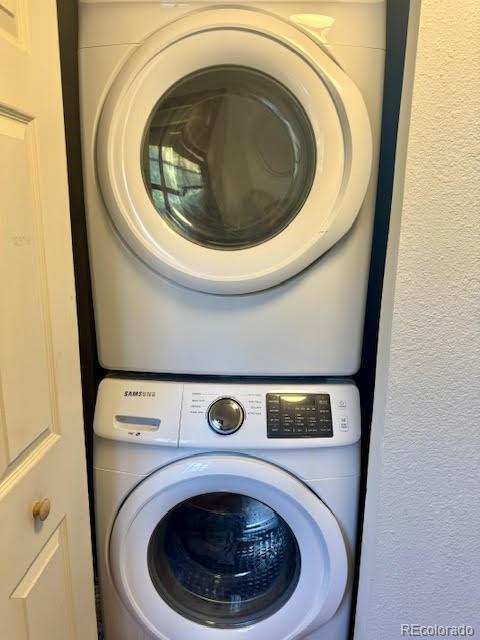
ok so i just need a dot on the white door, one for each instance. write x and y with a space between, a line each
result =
46 580
219 547
232 158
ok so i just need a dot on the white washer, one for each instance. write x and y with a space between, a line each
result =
226 511
230 163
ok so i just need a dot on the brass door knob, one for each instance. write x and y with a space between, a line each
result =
41 509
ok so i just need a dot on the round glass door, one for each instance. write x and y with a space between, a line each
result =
227 545
228 157
224 559
231 159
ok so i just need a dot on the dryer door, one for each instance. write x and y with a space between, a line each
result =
225 546
232 156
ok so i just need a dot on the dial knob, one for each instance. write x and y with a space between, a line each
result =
225 416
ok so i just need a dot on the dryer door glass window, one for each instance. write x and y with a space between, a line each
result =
228 157
224 560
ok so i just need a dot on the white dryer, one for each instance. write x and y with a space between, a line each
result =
226 511
230 163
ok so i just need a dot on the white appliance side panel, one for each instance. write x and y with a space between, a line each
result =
134 458
341 495
309 465
110 491
329 462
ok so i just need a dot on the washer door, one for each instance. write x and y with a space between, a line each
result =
232 151
224 546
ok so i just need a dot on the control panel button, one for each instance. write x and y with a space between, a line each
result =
225 416
299 415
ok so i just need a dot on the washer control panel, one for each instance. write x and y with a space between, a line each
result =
299 415
227 415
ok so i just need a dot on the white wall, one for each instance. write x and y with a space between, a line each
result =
420 558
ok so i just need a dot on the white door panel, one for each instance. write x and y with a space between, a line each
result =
46 586
46 577
25 357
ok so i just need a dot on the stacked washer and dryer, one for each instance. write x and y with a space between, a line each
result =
230 162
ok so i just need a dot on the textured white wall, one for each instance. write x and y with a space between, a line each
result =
421 548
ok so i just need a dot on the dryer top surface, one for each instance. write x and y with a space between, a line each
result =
359 23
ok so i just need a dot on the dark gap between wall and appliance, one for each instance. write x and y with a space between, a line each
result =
397 27
91 372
